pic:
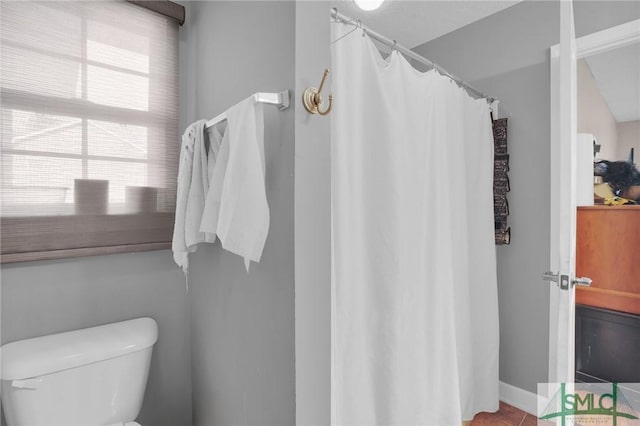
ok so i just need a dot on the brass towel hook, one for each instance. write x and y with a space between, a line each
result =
312 99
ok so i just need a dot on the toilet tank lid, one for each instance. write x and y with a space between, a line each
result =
56 352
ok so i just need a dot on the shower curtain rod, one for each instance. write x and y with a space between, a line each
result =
407 52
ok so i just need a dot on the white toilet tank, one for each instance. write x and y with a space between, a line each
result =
89 377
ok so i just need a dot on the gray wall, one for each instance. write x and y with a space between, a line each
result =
506 55
312 222
40 298
243 323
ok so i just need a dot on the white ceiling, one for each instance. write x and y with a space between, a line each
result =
617 75
413 22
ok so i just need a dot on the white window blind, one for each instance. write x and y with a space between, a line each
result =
89 128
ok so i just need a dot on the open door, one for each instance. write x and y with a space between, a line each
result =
563 180
563 202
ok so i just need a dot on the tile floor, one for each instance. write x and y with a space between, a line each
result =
505 416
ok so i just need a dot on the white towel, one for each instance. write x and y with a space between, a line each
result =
220 150
236 207
193 185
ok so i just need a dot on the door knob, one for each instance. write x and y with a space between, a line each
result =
563 280
582 281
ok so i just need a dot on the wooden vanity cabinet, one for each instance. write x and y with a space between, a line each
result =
608 252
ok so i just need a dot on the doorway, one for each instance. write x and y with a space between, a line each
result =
612 304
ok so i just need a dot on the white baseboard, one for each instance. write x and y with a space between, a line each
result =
519 398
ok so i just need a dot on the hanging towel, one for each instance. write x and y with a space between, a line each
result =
193 184
236 207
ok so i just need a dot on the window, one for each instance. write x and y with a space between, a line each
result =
89 114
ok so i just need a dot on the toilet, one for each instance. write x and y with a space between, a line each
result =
90 377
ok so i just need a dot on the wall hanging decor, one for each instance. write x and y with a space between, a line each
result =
501 182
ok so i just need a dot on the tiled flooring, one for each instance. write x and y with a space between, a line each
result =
505 416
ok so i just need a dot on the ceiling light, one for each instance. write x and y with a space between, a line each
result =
368 4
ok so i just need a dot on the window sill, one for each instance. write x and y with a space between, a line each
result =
81 252
56 237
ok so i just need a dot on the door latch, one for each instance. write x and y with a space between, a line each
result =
561 280
550 276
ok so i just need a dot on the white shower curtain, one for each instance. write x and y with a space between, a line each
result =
414 298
